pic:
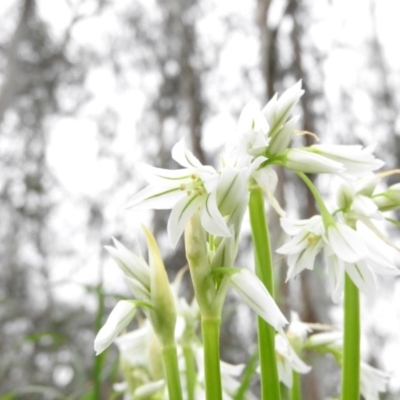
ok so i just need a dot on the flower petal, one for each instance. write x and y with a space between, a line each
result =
336 276
156 197
132 265
138 289
305 161
167 177
346 243
184 157
362 276
256 296
211 218
181 214
119 318
277 110
356 159
231 189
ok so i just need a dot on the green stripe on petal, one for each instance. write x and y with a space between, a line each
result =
181 214
156 197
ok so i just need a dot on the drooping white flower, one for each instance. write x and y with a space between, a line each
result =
256 296
119 318
185 191
388 200
355 202
373 381
304 245
303 160
356 159
332 339
288 361
346 250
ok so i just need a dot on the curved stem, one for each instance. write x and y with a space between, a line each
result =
270 388
210 330
325 214
170 359
351 344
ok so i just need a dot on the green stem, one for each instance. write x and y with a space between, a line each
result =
210 330
248 373
351 344
325 214
170 359
98 360
270 389
190 365
295 391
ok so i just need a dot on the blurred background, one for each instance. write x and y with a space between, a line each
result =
88 87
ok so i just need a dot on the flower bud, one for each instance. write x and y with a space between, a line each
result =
163 314
305 161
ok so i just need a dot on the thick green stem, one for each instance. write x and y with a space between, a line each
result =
295 390
210 331
351 344
270 389
190 371
170 359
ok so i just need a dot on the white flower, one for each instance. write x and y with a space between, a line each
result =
355 201
345 243
119 318
252 131
305 244
133 346
288 361
345 249
277 112
388 200
185 191
299 329
331 339
256 296
356 159
373 381
135 269
148 390
303 160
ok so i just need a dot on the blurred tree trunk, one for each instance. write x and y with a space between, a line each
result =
13 81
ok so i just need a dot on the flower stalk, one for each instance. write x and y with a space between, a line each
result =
270 388
351 344
210 328
171 370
